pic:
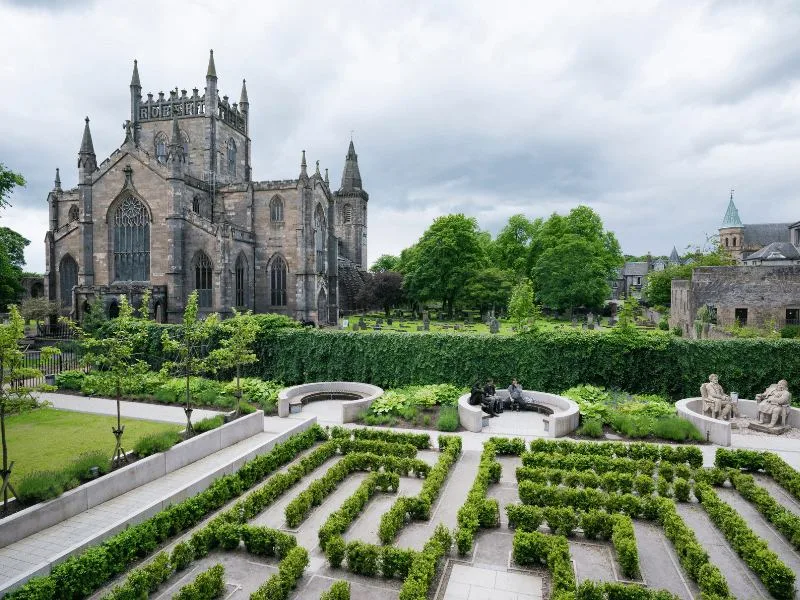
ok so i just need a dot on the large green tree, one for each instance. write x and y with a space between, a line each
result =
444 259
574 259
385 262
489 289
511 249
12 245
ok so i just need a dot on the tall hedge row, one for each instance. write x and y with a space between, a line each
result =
551 361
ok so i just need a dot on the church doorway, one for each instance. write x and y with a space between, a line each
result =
113 309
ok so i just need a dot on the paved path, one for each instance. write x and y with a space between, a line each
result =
131 410
34 554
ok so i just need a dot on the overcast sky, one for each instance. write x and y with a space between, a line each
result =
647 111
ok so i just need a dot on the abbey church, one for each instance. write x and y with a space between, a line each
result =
175 209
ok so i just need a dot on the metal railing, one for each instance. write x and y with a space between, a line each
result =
48 365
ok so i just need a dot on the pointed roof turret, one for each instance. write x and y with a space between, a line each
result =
176 133
731 218
351 177
327 181
316 172
87 147
212 70
303 166
57 183
135 77
673 257
243 97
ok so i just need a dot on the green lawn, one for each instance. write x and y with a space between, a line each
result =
46 438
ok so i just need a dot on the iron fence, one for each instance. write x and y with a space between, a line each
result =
48 365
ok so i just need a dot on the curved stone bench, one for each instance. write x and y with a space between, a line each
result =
350 408
718 431
561 414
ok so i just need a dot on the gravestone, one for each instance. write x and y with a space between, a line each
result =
494 326
574 321
389 320
426 321
583 325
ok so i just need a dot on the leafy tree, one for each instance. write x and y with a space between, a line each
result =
511 249
574 258
14 394
626 318
8 181
12 259
385 262
522 306
95 319
38 309
443 260
236 347
386 290
488 289
190 349
571 275
114 352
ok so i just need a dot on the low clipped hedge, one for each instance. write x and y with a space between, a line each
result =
421 575
691 455
755 460
479 511
534 548
207 585
339 590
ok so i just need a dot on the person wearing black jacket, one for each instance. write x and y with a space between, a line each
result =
490 395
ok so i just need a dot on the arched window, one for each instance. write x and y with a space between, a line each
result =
277 282
68 278
240 272
231 157
161 148
734 241
74 213
202 279
276 210
347 214
726 242
131 223
196 205
319 238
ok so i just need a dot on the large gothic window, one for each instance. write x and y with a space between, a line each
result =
161 148
277 282
131 224
276 210
74 213
202 279
319 239
231 157
240 273
68 278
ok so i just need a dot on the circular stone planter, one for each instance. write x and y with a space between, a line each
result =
561 415
355 396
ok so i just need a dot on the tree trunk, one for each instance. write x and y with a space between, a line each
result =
5 447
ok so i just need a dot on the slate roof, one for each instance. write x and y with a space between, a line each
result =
776 251
634 269
731 218
763 234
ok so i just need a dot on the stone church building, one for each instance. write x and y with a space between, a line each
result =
175 209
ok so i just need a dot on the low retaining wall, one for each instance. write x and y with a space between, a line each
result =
565 417
718 431
46 514
350 408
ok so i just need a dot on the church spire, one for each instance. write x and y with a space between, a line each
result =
135 77
243 101
212 70
731 218
673 257
86 157
351 177
57 183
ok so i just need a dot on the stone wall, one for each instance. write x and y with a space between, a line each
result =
765 292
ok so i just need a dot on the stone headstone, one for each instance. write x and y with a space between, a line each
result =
589 317
389 321
426 321
583 325
494 326
591 325
574 321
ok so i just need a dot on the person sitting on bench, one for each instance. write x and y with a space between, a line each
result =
476 397
490 396
515 393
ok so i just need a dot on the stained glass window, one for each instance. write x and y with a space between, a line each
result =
131 241
277 280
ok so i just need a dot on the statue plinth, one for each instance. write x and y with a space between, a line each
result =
764 428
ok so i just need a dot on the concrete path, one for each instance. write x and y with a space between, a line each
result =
35 554
167 413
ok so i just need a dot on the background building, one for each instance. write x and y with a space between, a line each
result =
175 209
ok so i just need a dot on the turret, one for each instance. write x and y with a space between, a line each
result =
87 161
244 108
351 177
303 167
136 98
175 156
731 232
57 182
87 164
351 200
